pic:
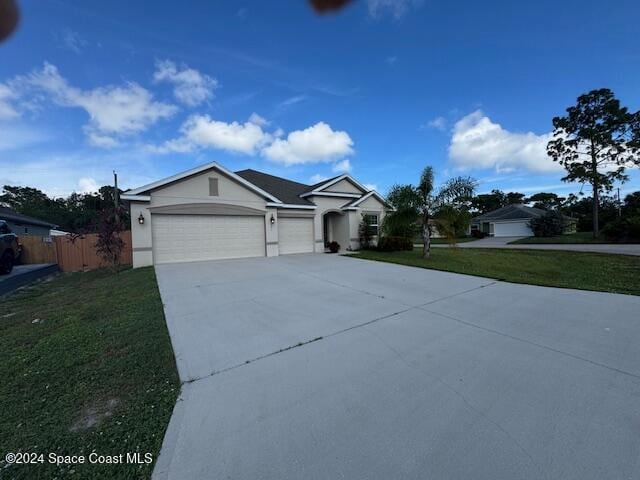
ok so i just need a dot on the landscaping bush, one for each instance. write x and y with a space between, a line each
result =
551 224
334 247
394 244
623 229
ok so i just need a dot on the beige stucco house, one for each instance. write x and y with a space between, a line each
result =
209 213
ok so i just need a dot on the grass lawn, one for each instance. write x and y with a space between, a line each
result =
86 366
586 271
443 241
580 237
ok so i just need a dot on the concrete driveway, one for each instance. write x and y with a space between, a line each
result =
320 366
503 242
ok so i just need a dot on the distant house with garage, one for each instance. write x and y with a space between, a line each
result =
25 225
210 212
511 221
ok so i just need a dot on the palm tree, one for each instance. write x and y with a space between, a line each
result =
454 190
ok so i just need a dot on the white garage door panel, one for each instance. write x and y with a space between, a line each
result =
295 235
512 229
186 238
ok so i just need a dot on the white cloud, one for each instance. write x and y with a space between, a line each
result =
7 110
479 143
113 110
189 85
87 185
317 178
201 131
343 166
101 141
370 186
439 123
258 120
397 8
315 144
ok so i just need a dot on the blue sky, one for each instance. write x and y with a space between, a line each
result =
380 89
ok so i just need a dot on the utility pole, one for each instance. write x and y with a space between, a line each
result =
619 204
116 196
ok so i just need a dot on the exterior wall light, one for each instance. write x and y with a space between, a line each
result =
141 219
272 220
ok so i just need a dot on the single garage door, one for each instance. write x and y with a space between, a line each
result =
512 229
186 238
295 235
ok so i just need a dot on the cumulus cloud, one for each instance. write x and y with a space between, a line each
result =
343 166
316 144
190 86
87 185
479 143
201 131
113 110
396 8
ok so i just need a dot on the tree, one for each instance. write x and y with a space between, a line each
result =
109 244
456 190
515 198
488 202
632 204
403 220
546 201
595 142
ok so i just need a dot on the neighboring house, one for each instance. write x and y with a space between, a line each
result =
511 221
25 225
209 213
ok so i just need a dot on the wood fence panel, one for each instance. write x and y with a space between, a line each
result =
80 253
36 249
69 253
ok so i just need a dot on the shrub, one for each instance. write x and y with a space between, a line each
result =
334 246
394 244
622 229
551 224
615 230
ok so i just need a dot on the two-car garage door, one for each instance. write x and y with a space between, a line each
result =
186 238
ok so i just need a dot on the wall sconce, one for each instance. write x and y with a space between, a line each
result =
141 219
272 220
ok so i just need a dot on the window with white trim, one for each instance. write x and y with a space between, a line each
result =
371 220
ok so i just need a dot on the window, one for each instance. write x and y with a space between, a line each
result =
372 222
213 187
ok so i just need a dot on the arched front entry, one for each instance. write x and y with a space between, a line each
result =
335 228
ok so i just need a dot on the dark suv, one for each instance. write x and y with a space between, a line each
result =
9 248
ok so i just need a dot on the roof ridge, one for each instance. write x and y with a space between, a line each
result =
272 176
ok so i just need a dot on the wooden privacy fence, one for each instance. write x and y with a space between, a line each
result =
72 254
38 249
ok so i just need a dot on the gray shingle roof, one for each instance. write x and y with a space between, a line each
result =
281 188
11 216
510 212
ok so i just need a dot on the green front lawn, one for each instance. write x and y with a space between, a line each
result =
86 366
444 241
580 237
586 271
